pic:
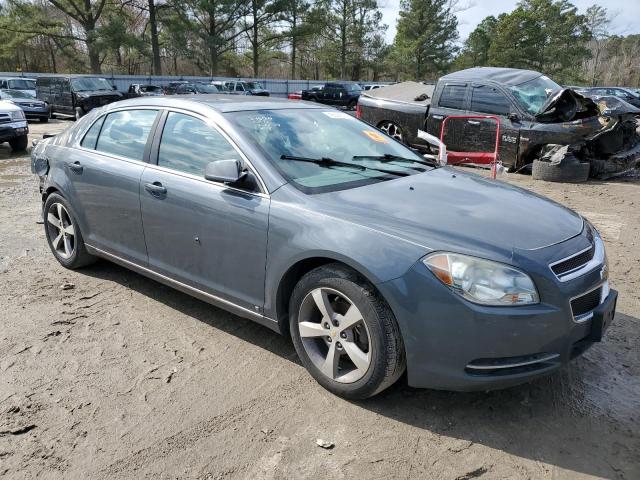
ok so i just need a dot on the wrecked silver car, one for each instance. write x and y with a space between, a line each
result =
537 118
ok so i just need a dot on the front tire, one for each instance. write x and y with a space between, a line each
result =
18 144
63 233
345 333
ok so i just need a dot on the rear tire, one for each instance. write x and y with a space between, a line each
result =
44 119
19 144
566 171
63 233
335 307
79 113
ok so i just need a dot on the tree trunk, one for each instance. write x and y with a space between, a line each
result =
213 45
343 41
54 67
155 44
254 39
294 38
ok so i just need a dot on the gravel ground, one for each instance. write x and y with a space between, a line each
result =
106 374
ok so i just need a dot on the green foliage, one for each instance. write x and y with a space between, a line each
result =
425 39
309 39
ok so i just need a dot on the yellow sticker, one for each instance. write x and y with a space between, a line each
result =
375 136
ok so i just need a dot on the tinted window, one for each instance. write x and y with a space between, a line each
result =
486 99
453 96
125 133
188 144
90 138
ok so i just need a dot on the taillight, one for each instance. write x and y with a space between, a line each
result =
358 111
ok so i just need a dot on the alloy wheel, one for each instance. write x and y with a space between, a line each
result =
392 130
334 335
61 230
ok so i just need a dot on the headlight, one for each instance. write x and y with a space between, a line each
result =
482 281
17 115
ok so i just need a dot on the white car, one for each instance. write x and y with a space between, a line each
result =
26 85
13 126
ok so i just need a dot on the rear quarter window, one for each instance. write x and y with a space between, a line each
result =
453 96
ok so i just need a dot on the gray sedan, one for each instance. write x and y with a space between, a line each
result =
300 217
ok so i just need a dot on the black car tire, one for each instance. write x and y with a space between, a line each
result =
44 119
569 172
80 257
79 113
387 361
51 114
19 144
352 105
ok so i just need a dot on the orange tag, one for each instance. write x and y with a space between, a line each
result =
375 136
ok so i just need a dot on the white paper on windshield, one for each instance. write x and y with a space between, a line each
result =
337 115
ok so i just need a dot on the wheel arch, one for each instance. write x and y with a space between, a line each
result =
295 272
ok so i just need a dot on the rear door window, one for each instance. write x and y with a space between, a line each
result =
453 96
125 133
91 137
488 99
188 144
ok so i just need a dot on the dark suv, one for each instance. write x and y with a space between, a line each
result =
75 95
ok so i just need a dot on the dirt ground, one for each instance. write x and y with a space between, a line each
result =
120 377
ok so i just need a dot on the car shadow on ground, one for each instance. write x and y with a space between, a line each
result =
556 420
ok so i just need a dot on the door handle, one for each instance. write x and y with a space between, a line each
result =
156 189
473 122
75 167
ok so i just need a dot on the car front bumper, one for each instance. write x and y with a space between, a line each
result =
9 131
453 344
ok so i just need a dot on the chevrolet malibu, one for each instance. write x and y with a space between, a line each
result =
374 260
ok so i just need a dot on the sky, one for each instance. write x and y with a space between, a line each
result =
625 13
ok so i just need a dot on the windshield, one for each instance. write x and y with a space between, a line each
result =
15 94
333 136
353 87
150 89
21 84
254 86
87 84
205 88
531 95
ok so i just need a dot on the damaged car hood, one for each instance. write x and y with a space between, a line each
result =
447 209
565 105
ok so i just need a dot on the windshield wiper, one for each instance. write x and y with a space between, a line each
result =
330 162
388 157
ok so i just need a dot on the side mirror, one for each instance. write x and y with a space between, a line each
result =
224 171
513 117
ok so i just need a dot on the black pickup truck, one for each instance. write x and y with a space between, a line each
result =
339 94
537 117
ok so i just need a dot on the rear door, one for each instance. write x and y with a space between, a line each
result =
201 233
480 134
451 98
104 174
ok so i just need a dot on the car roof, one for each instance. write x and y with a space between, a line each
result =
221 103
505 76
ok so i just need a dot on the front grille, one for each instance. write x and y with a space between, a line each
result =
574 263
585 303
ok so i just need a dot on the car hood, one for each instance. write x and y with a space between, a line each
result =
560 101
448 209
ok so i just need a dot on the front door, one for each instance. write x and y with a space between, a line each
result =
104 177
480 134
204 234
